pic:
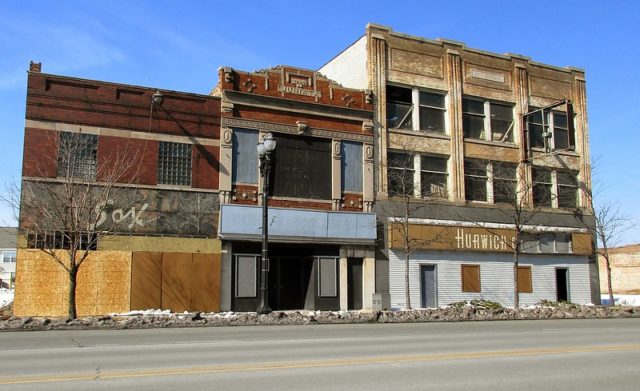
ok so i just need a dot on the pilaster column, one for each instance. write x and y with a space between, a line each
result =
378 84
582 138
454 110
521 87
226 162
336 180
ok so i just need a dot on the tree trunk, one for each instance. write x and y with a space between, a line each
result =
609 285
73 273
407 291
516 288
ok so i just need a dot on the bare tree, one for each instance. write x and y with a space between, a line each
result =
518 199
610 222
65 216
409 201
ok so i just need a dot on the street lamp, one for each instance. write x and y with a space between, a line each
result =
265 152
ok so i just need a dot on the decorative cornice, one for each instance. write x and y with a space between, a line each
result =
293 129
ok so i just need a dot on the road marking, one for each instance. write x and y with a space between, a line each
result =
109 375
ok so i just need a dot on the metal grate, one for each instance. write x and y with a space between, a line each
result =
174 164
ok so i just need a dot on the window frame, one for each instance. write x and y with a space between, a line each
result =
550 128
172 167
84 156
470 178
488 120
409 173
236 276
537 184
335 292
471 287
412 119
434 173
12 259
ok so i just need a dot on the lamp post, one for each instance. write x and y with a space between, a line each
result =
265 153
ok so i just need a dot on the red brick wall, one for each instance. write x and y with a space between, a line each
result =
139 157
206 166
40 153
88 102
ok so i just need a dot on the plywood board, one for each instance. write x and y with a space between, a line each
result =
146 280
176 281
205 286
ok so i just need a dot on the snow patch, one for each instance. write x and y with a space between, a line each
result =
633 300
6 296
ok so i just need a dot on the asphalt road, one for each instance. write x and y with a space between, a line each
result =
510 355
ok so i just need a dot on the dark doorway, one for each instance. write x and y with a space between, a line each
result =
562 284
288 282
354 283
428 287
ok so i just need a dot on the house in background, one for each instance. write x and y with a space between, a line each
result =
8 237
474 132
625 270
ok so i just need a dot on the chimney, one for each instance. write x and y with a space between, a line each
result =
35 66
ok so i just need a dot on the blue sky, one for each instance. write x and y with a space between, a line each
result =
179 45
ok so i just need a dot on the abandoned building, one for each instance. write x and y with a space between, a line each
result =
399 145
468 137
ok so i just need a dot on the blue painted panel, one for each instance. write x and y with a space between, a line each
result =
245 156
351 169
241 221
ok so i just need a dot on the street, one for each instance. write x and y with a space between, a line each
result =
514 355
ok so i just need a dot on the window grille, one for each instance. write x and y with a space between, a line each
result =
174 164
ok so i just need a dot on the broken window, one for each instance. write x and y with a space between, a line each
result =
475 180
550 129
567 189
399 108
501 122
473 119
433 176
432 112
504 182
400 174
174 163
484 120
413 109
542 187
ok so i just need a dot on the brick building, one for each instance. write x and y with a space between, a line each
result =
165 252
476 134
625 270
321 230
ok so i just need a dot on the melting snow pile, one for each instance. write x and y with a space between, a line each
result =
6 296
622 299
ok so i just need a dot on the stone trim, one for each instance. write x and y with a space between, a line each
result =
293 129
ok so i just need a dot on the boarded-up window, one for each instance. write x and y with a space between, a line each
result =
245 156
351 167
470 278
302 167
525 284
327 277
246 275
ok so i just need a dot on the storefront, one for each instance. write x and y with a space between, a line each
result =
318 260
457 263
